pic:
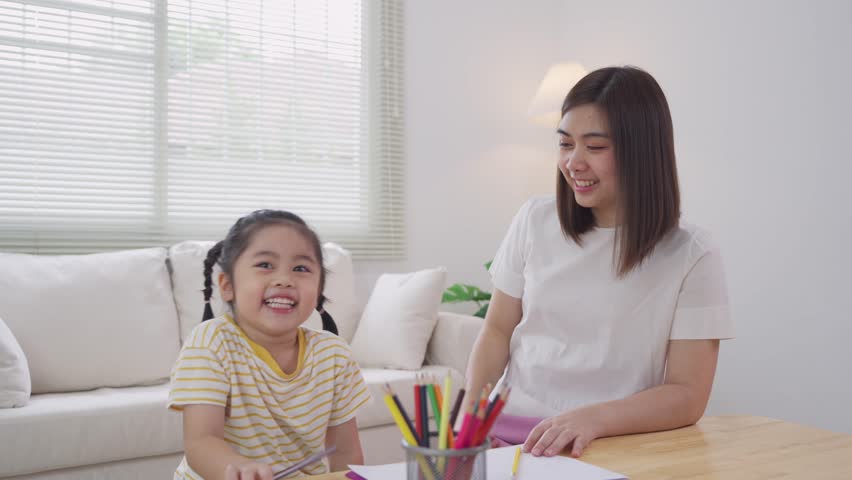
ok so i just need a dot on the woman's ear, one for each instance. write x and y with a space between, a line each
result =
226 288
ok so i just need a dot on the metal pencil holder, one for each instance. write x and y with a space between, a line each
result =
424 463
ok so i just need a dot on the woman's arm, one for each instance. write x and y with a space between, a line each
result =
206 450
678 402
345 438
491 349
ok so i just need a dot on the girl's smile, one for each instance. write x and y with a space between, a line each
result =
275 284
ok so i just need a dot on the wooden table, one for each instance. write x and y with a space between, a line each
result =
729 448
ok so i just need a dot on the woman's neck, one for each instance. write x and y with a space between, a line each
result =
604 218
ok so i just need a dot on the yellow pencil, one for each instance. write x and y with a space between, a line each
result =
445 413
397 417
516 462
406 432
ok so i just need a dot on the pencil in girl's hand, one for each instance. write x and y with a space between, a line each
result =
304 463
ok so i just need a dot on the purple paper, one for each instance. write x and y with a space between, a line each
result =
354 476
513 429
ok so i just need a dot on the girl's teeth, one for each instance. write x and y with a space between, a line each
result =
280 303
585 183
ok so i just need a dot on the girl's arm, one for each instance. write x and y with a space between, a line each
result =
345 438
206 450
678 402
491 349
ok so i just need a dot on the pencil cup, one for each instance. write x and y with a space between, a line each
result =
434 464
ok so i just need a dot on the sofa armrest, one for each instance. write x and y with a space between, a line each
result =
452 340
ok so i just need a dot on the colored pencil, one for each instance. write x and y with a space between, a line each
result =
405 428
404 415
418 412
304 463
516 463
492 418
435 410
454 416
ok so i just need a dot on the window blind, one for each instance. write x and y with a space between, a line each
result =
137 123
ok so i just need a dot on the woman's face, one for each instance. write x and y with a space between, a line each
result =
587 161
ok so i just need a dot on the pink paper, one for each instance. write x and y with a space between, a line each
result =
513 429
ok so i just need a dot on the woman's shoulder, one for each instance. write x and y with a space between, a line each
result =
540 203
691 239
538 208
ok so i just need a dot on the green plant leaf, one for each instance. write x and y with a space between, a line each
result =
488 264
460 292
481 312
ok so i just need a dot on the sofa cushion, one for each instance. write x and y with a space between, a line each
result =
89 321
83 428
452 341
403 308
186 263
186 260
402 382
15 384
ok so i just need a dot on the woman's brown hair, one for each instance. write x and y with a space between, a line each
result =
640 126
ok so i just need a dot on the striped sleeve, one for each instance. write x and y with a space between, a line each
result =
199 375
350 391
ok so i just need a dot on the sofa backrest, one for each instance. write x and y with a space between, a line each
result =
186 261
88 321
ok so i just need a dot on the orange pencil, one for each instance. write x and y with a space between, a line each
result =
440 397
491 417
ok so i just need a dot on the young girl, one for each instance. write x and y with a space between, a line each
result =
259 392
607 309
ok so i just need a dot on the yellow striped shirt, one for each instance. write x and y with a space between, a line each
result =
270 416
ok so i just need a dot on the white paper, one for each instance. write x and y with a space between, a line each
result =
499 465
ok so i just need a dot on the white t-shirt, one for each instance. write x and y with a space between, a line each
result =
587 336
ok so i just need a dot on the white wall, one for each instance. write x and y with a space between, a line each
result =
473 158
761 95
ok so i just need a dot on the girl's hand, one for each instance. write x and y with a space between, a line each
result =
553 434
248 471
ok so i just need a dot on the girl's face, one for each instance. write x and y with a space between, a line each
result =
275 284
587 161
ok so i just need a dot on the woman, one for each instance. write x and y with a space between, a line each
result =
607 309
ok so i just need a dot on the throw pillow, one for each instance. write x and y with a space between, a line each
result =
398 320
15 385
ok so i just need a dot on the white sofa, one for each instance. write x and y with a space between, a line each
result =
100 334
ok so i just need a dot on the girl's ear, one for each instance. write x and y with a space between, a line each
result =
226 288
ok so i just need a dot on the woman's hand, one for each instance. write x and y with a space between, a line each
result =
553 434
248 471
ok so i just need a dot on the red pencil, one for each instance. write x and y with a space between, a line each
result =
472 420
418 414
465 426
485 429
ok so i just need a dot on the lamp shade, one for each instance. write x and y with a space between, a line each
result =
546 106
